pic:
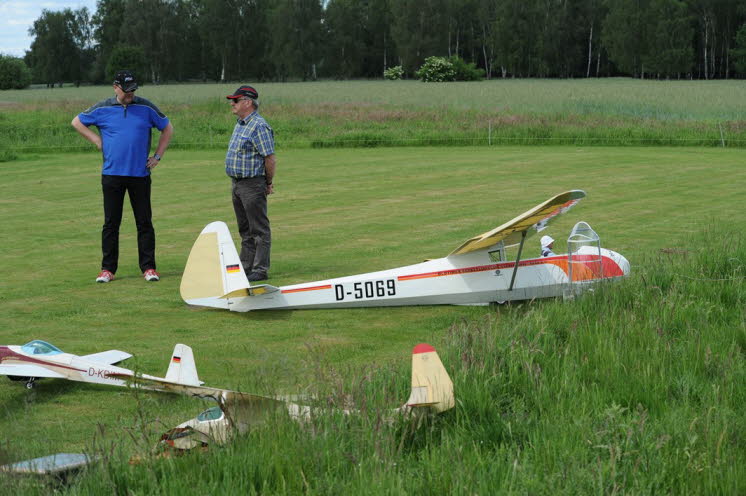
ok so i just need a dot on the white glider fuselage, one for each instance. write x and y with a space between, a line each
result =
16 362
476 273
39 359
469 279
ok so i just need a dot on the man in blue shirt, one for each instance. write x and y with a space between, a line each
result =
124 123
250 162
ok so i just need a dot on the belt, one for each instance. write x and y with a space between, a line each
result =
242 178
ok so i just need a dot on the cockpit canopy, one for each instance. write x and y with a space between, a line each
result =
39 347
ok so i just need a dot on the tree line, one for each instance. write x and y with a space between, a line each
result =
186 40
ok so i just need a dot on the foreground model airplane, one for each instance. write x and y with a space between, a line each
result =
475 273
432 392
40 359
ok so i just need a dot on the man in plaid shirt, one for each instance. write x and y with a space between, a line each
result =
250 162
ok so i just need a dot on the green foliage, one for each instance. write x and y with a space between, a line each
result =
739 52
59 51
466 71
393 73
436 70
670 36
284 40
441 69
14 74
127 57
7 156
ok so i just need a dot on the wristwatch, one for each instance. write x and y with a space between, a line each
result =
157 157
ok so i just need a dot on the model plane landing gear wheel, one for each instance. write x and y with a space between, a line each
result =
30 383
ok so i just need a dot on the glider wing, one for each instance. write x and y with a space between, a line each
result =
535 219
29 371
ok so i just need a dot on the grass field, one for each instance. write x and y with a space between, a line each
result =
411 113
637 389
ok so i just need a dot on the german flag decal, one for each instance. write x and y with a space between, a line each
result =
176 359
232 268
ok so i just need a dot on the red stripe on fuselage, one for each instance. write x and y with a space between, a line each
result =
6 354
560 261
310 288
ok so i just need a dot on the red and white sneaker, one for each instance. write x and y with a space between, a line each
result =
151 275
105 276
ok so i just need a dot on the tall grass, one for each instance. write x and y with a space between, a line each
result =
411 113
636 387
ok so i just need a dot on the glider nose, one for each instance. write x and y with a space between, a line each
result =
622 262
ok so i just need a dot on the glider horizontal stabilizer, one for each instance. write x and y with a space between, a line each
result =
108 357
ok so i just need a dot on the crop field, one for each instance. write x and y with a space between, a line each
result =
411 113
635 388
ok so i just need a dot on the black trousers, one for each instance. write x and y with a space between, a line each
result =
114 188
250 205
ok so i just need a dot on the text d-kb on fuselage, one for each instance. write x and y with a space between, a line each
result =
39 359
475 273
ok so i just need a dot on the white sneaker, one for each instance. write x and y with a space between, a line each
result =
151 275
105 276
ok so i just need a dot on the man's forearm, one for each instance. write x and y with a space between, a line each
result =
165 139
269 167
83 130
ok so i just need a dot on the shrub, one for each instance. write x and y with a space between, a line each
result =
436 70
393 73
466 71
14 74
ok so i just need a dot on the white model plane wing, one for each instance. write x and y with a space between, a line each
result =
536 218
29 371
108 357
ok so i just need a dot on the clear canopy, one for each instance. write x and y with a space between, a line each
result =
39 347
584 254
213 413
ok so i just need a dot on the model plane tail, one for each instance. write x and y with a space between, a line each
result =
181 368
431 385
213 271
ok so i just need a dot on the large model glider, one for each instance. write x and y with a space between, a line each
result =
432 392
40 359
475 273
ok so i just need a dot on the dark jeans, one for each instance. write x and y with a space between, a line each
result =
114 188
250 204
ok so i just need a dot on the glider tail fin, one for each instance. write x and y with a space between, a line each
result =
431 385
182 369
213 271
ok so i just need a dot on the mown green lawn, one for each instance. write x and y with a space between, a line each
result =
335 212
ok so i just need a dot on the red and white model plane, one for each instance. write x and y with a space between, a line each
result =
40 359
475 273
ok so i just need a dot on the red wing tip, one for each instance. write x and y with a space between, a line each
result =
422 348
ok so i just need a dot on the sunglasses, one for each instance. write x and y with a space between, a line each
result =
234 101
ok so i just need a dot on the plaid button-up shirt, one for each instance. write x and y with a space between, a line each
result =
252 140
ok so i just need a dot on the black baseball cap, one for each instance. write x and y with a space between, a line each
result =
244 90
126 80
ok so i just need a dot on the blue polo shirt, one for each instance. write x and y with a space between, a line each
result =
125 133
